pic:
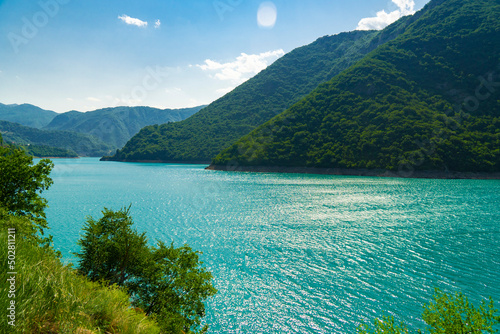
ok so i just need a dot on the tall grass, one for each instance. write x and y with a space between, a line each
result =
53 298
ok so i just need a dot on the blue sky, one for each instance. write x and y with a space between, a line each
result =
82 55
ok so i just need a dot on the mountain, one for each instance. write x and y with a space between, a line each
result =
44 151
82 144
116 126
202 136
427 100
26 114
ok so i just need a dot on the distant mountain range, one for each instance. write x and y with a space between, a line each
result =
101 131
116 126
26 114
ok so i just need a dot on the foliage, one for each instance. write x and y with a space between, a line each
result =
427 100
200 137
21 183
82 144
115 126
53 298
111 250
48 296
446 314
166 282
449 314
43 151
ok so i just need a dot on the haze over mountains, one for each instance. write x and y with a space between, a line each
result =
93 133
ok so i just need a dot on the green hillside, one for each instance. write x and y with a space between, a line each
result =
428 100
26 114
115 126
44 151
202 136
82 144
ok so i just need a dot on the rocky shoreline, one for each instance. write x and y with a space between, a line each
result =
358 172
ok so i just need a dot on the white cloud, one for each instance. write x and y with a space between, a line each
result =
93 99
383 19
224 91
157 24
244 67
132 21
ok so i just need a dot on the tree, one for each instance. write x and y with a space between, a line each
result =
173 287
446 314
449 314
169 283
111 250
21 184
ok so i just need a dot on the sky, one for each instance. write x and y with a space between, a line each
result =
80 55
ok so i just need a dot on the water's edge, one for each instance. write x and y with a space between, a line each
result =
358 172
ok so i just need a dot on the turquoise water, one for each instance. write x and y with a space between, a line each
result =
299 253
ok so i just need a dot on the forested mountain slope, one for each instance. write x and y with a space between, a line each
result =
428 100
26 114
202 136
116 126
81 144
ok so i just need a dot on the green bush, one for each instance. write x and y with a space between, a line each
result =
53 298
445 314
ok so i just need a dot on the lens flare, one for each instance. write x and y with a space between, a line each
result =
267 15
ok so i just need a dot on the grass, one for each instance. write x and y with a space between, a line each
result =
52 298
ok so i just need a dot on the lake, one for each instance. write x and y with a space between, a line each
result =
294 253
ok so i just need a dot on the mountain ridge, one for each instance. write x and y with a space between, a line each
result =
118 124
286 81
410 105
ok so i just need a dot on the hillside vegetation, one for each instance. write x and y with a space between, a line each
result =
81 144
115 126
428 100
202 136
122 285
26 114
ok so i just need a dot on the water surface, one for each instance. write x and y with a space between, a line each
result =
295 253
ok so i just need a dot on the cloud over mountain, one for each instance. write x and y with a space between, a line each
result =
243 67
383 19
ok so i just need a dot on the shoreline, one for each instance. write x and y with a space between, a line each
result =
56 157
201 162
359 172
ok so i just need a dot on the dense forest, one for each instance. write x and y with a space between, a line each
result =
202 136
43 151
81 144
428 100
